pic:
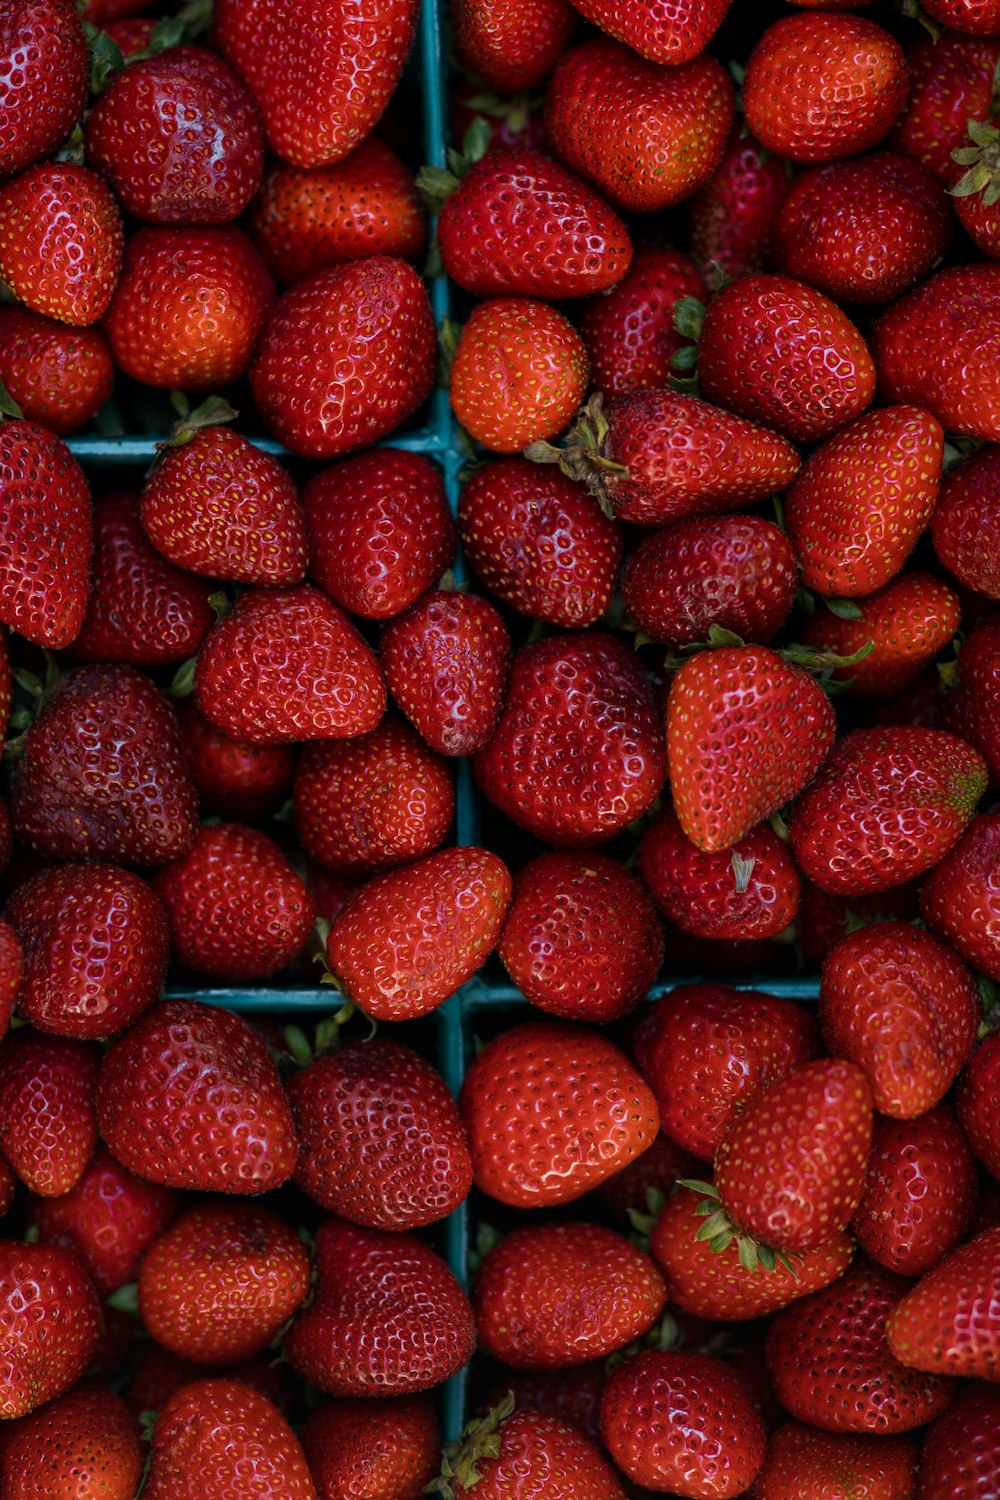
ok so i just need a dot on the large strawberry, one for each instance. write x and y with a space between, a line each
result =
513 1452
731 216
806 1464
959 1457
61 241
664 33
949 1323
85 1442
909 621
49 1323
968 508
393 1446
961 897
233 778
629 331
975 1102
48 1122
60 376
44 72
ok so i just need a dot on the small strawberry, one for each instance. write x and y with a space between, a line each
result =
887 806
392 1446
951 83
48 1123
582 939
381 1142
665 34
49 1323
190 1098
287 664
572 700
446 662
552 1110
518 375
731 216
805 1464
234 779
959 1458
84 1443
961 896
58 375
967 510
976 1099
345 356
408 939
61 241
910 619
514 1452
629 331
949 1323
44 75
539 542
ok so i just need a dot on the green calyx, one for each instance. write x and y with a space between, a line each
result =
689 319
581 456
435 184
480 1440
720 1232
981 160
8 406
214 411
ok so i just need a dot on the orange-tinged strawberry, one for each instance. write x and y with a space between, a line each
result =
83 1443
44 75
805 1464
61 241
513 45
629 331
665 31
393 1446
58 375
949 1323
910 620
49 1324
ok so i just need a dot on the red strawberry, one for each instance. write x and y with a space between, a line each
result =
572 1395
975 1103
582 939
212 1435
44 75
102 775
408 939
513 121
512 47
961 897
130 34
888 805
683 1422
190 1098
833 1369
629 331
518 375
664 33
48 1123
48 1325
287 664
215 504
189 307
646 135
731 216
84 1442
735 572
959 1457
94 939
539 542
552 1110
345 357
657 1169
506 1455
823 919
980 17
446 663
234 779
321 76
804 1464
61 241
899 1003
179 138
58 375
391 1446
967 510
910 620
381 1139
388 1316
949 1323
109 1219
951 83
821 87
779 352
11 970
380 531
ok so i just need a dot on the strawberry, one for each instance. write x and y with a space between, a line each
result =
539 542
658 1168
303 221
683 1422
131 34
345 357
85 1441
142 610
888 805
445 662
388 1317
518 375
381 1142
961 896
805 1464
11 971
512 1453
975 1102
513 121
735 572
58 375
978 17
237 910
179 138
189 307
933 346
899 1003
657 456
212 1435
320 76
582 939
48 1325
629 331
190 1098
45 536
831 1365
910 619
512 47
234 779
215 504
518 224
391 1447
822 87
779 352
61 241
409 938
974 191
949 1323
372 802
823 919
552 1110
731 216
645 135
102 775
572 1395
863 231
951 83
287 664
967 510
728 768
380 531
919 1192
109 1220
94 939
959 1457
218 1284
48 1123
44 75
750 891
672 33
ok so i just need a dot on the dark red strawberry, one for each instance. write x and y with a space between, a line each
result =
823 919
512 46
629 331
392 1446
539 542
805 1464
49 1323
951 83
190 1098
446 662
86 1440
731 216
976 1099
949 1323
656 1170
11 970
959 1459
961 897
58 375
61 241
513 121
572 1395
910 620
233 779
967 510
48 1123
44 74
665 34
973 710
506 1454
381 1139
287 664
131 34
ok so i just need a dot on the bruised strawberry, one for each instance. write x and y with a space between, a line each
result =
233 779
629 331
665 34
86 1440
959 1455
805 1464
731 216
61 241
961 896
504 1453
949 1323
393 1446
58 375
49 1325
48 1123
910 620
44 72
974 1103
967 510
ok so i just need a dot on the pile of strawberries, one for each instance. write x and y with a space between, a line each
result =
727 377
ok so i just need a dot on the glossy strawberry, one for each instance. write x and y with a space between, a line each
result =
977 17
86 1440
48 1123
967 510
664 33
731 216
505 1454
974 1102
951 84
44 75
629 331
392 1447
959 1458
909 620
58 375
961 896
345 357
949 1323
408 939
805 1464
511 47
190 1098
48 1324
233 778
61 241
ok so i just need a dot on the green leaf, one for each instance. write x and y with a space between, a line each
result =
435 186
722 1241
125 1299
684 359
717 636
766 1257
714 1225
476 141
182 685
689 317
844 609
8 406
106 58
694 1185
746 1249
298 1045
